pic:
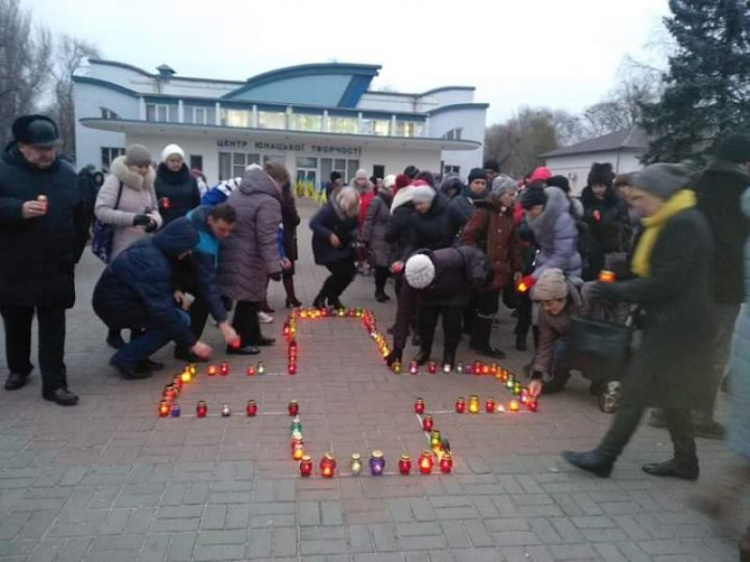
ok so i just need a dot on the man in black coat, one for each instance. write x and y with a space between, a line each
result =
43 231
135 291
719 189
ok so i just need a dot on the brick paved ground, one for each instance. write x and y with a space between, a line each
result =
107 480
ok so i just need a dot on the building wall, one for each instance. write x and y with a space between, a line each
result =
380 102
445 97
576 167
472 122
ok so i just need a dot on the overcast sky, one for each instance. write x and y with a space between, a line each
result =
562 54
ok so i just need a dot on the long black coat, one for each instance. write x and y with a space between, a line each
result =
180 188
670 368
719 190
38 256
398 231
609 228
290 219
438 227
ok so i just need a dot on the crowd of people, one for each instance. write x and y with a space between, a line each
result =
664 244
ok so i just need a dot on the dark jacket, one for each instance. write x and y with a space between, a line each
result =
458 271
180 188
328 221
290 219
493 230
463 204
375 228
609 229
437 228
669 368
398 231
719 190
202 265
556 235
136 291
38 256
251 254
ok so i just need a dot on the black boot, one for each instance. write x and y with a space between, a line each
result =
320 300
521 343
114 339
380 296
480 338
591 461
673 468
423 356
335 303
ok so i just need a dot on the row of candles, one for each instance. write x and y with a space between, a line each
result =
327 467
172 409
474 406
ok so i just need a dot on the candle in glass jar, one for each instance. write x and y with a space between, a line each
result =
404 465
328 466
460 405
446 463
201 409
432 367
425 462
212 370
164 408
225 411
355 464
251 408
377 463
419 406
175 410
293 408
224 368
427 423
490 406
474 405
305 466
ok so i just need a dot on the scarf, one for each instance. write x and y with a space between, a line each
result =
653 225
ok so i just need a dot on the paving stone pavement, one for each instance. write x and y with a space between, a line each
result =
108 480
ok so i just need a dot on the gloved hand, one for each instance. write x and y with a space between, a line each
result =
393 356
601 291
152 226
142 220
276 276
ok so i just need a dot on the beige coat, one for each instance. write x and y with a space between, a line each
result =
138 196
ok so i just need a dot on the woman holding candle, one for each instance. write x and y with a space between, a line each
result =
176 189
672 264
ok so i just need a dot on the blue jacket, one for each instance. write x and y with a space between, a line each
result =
135 291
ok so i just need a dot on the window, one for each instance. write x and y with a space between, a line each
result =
161 112
196 162
272 120
199 115
351 169
409 129
347 169
235 118
453 134
378 170
108 113
378 127
233 164
304 122
452 170
108 156
344 125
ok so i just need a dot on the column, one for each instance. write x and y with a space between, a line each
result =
180 111
217 117
360 124
393 125
426 131
255 116
326 122
142 108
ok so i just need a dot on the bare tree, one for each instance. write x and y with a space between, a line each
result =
69 55
24 64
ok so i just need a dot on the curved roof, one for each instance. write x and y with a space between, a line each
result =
447 89
459 107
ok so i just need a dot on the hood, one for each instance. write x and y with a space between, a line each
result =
557 204
452 183
13 156
174 178
198 217
255 180
176 238
727 167
130 178
404 195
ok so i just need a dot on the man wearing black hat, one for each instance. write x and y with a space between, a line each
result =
43 231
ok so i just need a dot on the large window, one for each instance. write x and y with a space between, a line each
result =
108 113
198 115
409 129
108 156
378 127
344 125
272 120
233 164
347 168
305 122
454 134
161 112
235 118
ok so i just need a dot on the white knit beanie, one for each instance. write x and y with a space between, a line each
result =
419 271
550 286
423 194
172 150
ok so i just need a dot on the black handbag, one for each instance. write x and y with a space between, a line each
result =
597 348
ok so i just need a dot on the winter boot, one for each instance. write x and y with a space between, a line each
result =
480 338
674 469
594 461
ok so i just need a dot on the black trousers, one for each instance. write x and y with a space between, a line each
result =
51 319
628 416
342 274
427 318
381 278
524 309
245 322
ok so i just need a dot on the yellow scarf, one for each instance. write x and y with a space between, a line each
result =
641 264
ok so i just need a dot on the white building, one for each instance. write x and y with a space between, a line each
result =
316 118
623 149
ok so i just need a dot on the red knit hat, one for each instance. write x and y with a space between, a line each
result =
402 180
540 174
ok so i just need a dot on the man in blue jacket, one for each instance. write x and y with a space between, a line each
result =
135 292
197 274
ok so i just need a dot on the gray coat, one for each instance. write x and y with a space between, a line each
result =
375 227
556 234
251 254
739 370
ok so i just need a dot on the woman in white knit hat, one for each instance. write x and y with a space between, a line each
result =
176 188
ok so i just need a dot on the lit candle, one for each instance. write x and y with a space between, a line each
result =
425 462
435 438
186 376
224 368
225 411
477 368
212 370
447 367
404 465
293 408
298 449
514 406
377 463
517 389
396 367
460 405
177 382
193 369
427 423
432 367
510 383
250 371
305 466
163 408
261 368
494 368
532 405
328 466
175 410
446 463
292 369
251 409
607 276
413 368
460 368
490 406
474 405
355 465
201 409
486 370
419 406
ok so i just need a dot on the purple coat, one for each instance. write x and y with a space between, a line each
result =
251 254
556 234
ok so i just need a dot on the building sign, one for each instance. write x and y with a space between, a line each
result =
291 147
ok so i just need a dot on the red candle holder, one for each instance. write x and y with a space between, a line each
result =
419 406
477 368
489 406
177 382
201 409
432 367
212 370
532 405
460 405
305 466
250 371
404 465
251 409
425 462
446 463
292 369
293 408
164 409
427 423
328 466
224 368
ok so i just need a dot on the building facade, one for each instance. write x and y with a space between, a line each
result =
315 118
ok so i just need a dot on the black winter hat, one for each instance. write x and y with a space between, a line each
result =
601 174
559 181
477 174
36 130
532 196
411 171
493 165
735 148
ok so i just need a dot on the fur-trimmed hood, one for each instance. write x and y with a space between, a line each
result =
404 195
130 178
557 203
611 198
